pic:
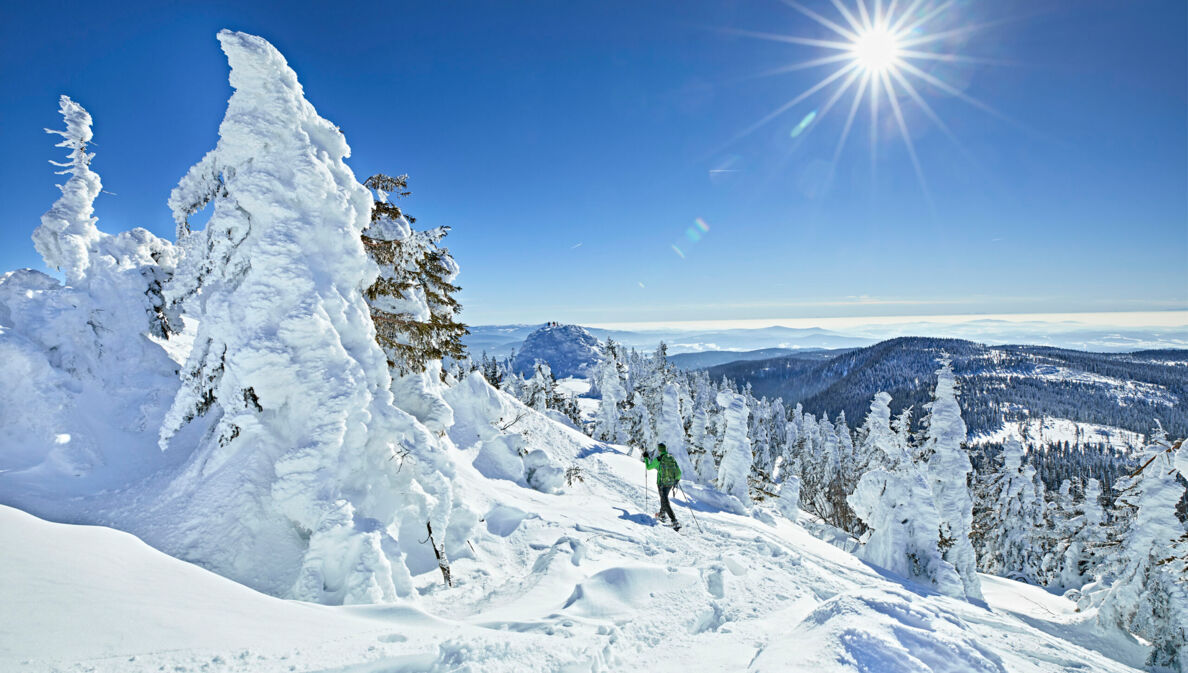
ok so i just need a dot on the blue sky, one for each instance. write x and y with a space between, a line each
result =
571 145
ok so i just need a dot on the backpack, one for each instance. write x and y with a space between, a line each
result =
670 472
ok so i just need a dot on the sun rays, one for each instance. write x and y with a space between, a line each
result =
879 52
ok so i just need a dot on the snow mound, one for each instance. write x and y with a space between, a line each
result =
623 590
882 631
569 350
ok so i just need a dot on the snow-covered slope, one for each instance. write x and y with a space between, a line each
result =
569 350
575 581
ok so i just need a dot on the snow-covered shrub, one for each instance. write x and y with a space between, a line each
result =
487 418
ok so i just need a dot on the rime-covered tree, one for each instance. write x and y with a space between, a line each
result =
1011 519
735 467
608 425
85 343
896 504
1143 586
671 429
295 433
948 472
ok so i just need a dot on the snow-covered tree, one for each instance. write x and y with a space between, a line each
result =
84 345
896 504
412 303
671 429
608 425
735 448
703 431
789 500
948 474
641 429
304 478
68 232
1143 585
1078 532
1010 526
412 300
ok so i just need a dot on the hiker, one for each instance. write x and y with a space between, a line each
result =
667 476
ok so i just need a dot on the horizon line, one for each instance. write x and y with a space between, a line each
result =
1174 318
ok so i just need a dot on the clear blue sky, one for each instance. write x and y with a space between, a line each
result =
531 127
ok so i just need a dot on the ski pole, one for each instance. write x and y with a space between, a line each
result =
687 499
645 484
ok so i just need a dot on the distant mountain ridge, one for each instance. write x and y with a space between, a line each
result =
705 359
501 340
1124 390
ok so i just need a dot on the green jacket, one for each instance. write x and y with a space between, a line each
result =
668 472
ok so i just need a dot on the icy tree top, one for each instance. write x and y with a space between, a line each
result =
68 230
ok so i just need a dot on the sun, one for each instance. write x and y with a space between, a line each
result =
883 52
876 50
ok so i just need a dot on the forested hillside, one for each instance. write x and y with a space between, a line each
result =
999 383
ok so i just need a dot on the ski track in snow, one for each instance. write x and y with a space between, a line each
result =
582 581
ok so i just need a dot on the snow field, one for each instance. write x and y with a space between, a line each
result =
578 581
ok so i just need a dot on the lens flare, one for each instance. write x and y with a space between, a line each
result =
877 50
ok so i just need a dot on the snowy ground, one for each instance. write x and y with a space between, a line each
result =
581 581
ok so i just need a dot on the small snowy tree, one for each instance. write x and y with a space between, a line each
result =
68 233
412 303
85 344
948 474
641 430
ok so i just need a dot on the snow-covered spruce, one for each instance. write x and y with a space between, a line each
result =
412 305
735 449
301 465
948 471
671 429
608 425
